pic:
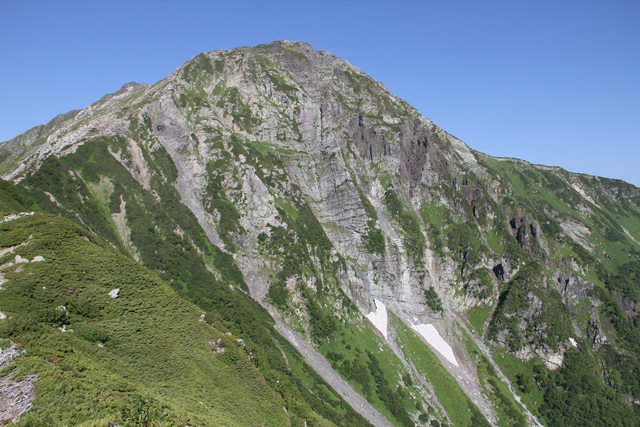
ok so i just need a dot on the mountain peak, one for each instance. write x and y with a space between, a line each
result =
283 182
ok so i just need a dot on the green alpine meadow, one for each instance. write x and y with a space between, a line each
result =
268 237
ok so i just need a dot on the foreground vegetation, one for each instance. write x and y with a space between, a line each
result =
148 356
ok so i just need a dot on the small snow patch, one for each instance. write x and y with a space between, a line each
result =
573 342
37 258
379 317
114 293
2 315
431 334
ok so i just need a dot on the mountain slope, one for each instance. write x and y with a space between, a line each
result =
107 341
295 178
86 347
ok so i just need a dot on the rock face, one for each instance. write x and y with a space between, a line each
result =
15 396
327 191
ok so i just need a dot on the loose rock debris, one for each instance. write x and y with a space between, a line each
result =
16 397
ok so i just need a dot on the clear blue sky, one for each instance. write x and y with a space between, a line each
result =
551 82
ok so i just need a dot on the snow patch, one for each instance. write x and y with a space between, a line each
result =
114 293
379 317
431 334
573 342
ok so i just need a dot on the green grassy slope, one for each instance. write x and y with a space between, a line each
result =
140 357
462 412
144 357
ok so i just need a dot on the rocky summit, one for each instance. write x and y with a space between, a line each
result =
269 237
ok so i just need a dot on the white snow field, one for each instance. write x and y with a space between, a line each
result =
430 333
379 317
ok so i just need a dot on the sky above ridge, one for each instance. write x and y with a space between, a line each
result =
555 83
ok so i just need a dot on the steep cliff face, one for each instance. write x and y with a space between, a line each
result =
293 176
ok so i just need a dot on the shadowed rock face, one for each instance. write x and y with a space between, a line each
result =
498 271
325 189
